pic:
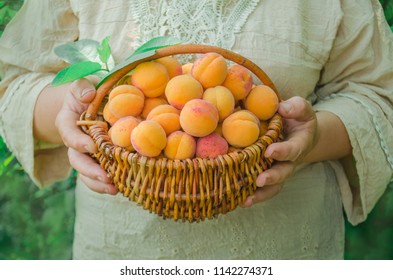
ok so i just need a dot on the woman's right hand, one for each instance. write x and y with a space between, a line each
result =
76 101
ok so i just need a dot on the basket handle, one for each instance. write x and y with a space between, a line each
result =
104 89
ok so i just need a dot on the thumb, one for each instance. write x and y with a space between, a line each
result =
83 90
296 108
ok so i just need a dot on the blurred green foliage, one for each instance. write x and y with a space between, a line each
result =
388 9
8 10
38 224
34 224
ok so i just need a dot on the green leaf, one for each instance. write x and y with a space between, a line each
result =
5 14
104 50
157 43
84 50
79 51
75 72
128 61
146 50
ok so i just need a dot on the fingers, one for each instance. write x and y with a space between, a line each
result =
86 166
276 174
83 90
263 194
301 127
71 135
296 108
289 150
91 173
98 186
270 182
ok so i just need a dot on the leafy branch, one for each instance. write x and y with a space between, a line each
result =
88 57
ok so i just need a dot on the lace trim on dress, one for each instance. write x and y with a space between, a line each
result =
205 21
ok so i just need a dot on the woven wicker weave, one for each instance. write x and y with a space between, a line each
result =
192 189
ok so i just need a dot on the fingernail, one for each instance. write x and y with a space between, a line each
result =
260 181
91 149
269 153
249 201
286 106
86 91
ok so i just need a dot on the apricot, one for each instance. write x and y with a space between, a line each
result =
127 104
148 138
210 70
238 81
122 89
167 116
187 68
222 98
120 132
172 65
182 89
263 127
262 101
110 132
218 129
108 116
211 146
199 117
151 78
180 145
241 129
151 103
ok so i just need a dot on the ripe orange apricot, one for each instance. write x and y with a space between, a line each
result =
167 116
122 89
151 78
238 81
151 103
148 138
187 68
211 146
121 130
222 98
108 116
218 129
127 104
180 145
262 101
199 117
263 127
172 65
210 70
182 89
241 128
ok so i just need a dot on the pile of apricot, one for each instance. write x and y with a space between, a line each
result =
180 111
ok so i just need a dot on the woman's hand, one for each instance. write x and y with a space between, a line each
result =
79 144
302 133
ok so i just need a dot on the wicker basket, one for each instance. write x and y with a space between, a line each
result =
192 189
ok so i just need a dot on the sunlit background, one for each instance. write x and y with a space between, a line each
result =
38 224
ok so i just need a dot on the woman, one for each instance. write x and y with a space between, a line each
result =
332 63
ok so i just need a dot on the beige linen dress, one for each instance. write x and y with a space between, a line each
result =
336 53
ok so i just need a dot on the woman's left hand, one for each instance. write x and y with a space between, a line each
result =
301 129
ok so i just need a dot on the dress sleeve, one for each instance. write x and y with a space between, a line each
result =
27 65
357 85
